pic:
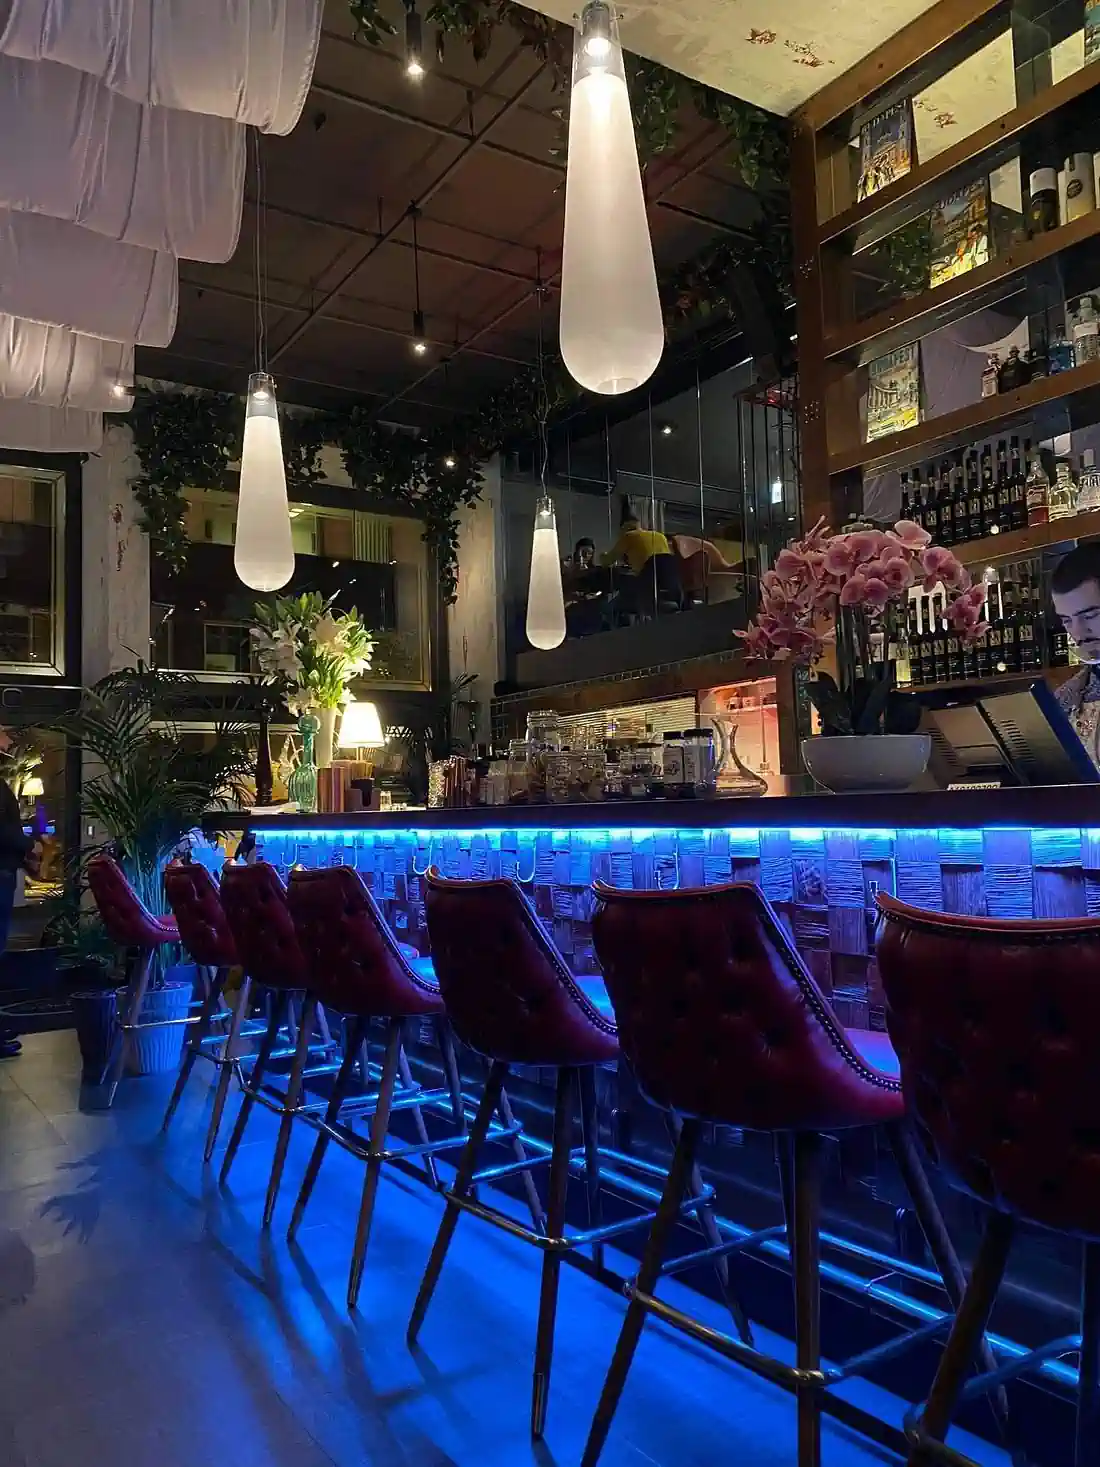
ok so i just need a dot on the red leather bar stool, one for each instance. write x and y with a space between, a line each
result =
997 1027
511 997
721 1022
255 903
129 923
357 969
204 931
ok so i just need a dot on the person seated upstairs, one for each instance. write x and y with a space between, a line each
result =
635 545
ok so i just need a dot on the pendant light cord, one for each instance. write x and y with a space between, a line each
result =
259 254
542 402
414 214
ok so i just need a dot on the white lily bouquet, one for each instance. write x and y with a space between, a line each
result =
310 652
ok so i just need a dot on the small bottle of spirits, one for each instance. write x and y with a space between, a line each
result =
1061 352
1013 372
1063 494
1037 359
1088 486
991 375
1086 333
1042 213
1037 493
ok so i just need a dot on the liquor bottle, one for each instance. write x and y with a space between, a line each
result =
939 641
990 525
925 667
1063 493
1061 352
931 518
973 497
1057 639
1010 627
906 497
970 660
982 651
1002 494
995 617
918 508
1029 631
1037 492
954 656
1017 498
959 507
903 654
1088 485
991 375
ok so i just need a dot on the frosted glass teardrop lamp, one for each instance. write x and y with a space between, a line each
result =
612 329
263 551
545 599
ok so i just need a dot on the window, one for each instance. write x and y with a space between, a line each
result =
32 509
374 562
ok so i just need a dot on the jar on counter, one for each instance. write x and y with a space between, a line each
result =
700 763
672 764
544 731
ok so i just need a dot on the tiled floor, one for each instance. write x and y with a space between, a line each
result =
145 1320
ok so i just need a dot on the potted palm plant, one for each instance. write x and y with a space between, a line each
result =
146 784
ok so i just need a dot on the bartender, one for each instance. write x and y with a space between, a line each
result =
1075 591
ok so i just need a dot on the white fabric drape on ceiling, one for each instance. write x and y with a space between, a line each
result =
57 273
150 176
60 368
251 60
28 427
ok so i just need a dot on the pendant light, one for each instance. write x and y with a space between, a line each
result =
263 548
612 329
419 336
545 597
414 43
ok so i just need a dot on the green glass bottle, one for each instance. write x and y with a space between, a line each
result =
302 785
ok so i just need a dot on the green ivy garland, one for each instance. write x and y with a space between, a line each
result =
189 439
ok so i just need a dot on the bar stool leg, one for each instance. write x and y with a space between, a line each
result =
193 1047
1087 1452
445 1040
229 1052
704 1215
551 1257
466 1167
590 1128
943 1252
380 1124
519 1151
135 997
971 1319
280 1002
290 1105
354 1038
418 1117
668 1210
805 1245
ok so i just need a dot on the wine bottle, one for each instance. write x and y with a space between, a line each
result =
983 650
995 617
1037 492
1030 630
939 641
941 524
989 494
1000 518
1010 627
906 497
1017 499
931 517
973 498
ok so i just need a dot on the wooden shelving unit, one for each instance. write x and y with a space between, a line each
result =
1054 676
831 227
1019 544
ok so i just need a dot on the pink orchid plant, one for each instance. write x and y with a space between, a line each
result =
854 586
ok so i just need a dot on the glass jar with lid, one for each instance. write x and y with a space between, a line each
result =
673 764
544 731
700 763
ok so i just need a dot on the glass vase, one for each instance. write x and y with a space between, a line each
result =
302 787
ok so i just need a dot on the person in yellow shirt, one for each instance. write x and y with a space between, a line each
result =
635 545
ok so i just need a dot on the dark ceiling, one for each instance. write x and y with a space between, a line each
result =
470 144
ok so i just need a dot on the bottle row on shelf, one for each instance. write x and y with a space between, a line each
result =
969 496
1021 638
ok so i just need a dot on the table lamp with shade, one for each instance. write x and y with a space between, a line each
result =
361 727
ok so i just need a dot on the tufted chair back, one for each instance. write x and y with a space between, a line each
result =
507 989
720 1019
997 1027
356 966
254 899
127 919
200 916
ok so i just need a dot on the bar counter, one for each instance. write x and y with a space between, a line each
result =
820 859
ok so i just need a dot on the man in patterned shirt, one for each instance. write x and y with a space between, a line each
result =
1075 590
